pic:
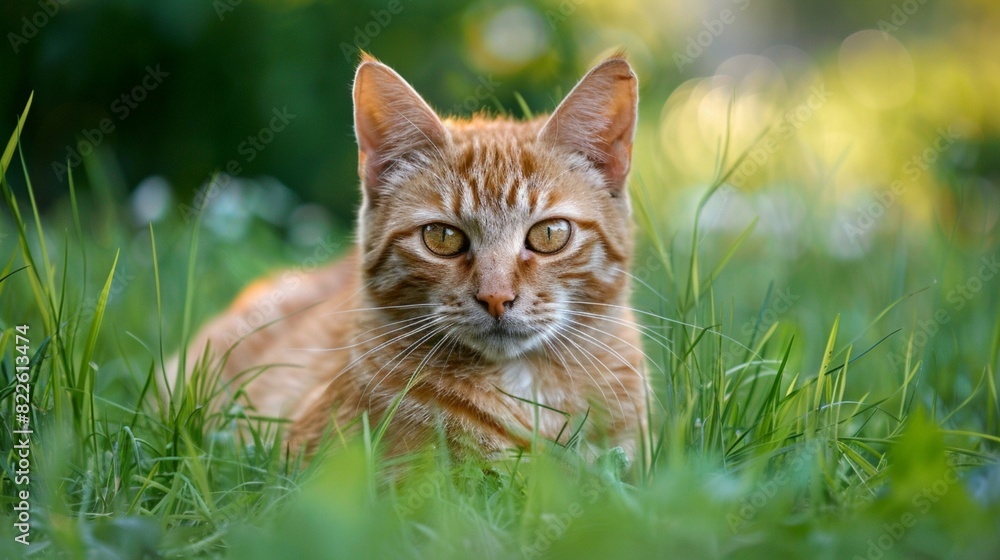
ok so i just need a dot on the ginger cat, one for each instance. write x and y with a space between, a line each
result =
489 285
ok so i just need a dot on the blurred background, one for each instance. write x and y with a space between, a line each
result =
861 140
851 149
167 93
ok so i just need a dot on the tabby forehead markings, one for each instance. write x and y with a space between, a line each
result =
488 179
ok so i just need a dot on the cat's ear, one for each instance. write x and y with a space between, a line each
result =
392 122
597 119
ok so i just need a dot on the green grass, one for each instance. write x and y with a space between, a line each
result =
801 408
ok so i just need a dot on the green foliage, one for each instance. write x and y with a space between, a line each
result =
830 429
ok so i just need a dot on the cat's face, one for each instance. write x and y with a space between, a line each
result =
497 232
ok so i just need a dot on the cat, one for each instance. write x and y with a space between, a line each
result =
487 296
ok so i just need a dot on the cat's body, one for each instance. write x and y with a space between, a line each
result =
489 286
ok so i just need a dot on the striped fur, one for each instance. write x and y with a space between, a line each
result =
395 318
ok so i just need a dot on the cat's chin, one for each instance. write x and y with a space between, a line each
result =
504 345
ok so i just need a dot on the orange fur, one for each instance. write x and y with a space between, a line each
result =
472 341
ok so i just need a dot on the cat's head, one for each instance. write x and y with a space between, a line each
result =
500 232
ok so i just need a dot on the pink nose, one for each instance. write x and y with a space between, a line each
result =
496 302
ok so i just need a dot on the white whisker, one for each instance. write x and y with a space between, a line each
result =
380 308
614 352
619 339
398 359
358 359
559 337
675 321
640 281
586 337
410 323
643 330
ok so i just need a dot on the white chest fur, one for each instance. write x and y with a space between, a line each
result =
519 379
539 396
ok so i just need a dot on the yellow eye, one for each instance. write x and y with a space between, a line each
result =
444 240
548 236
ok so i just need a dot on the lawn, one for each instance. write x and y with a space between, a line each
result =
824 380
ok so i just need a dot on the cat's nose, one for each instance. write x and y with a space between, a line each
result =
496 302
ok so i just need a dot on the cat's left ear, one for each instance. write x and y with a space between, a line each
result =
597 120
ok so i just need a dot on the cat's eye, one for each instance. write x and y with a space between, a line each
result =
548 236
444 240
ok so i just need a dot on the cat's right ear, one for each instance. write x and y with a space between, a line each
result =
597 119
392 122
